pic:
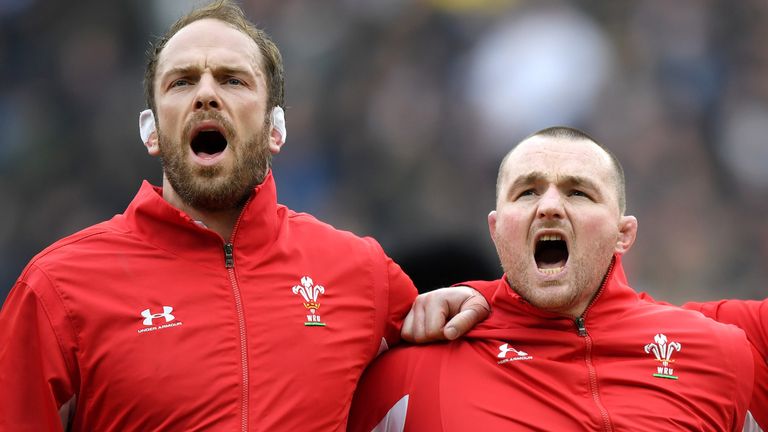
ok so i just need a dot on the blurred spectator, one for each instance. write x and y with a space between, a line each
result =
541 65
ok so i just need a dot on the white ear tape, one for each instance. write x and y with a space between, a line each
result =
146 124
277 118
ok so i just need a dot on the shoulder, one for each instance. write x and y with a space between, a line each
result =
687 317
306 224
81 245
695 322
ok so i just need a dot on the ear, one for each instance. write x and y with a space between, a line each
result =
627 234
492 225
152 144
276 140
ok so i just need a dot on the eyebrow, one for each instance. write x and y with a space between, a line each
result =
526 179
218 70
570 180
579 181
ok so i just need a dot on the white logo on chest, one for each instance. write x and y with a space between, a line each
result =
505 349
166 315
148 317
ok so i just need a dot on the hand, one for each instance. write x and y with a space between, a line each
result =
426 321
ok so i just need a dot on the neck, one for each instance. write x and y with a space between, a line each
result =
591 294
222 222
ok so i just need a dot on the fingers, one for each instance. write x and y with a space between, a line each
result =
406 333
426 322
426 319
473 310
436 312
413 326
461 323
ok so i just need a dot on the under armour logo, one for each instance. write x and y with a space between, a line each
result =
505 348
148 316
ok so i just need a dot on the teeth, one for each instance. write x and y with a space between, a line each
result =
551 237
551 271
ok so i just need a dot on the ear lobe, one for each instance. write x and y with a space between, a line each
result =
276 140
492 225
627 234
148 132
152 144
278 133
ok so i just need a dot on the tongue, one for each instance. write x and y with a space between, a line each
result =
204 155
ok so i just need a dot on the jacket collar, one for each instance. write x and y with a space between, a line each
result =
166 227
614 297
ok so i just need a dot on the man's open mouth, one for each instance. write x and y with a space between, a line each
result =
551 253
208 143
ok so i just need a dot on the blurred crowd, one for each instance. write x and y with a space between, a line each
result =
399 112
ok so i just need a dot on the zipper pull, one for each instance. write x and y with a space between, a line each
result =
229 256
581 327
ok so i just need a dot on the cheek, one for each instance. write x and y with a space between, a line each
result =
510 226
168 117
511 217
600 230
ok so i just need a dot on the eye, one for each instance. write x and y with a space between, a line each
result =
527 193
233 81
579 193
179 83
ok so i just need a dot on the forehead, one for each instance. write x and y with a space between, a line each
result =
209 42
558 157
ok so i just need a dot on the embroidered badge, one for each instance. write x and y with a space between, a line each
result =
663 351
310 292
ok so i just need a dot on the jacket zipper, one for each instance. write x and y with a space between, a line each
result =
229 264
581 329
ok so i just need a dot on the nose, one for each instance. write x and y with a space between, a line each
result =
207 97
551 204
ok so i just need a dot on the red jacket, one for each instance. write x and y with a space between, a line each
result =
627 365
149 322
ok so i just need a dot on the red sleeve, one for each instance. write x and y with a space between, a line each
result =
394 294
35 376
402 293
749 315
758 406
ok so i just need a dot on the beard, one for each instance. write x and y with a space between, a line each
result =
585 276
218 187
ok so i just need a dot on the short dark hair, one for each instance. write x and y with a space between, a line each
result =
567 132
230 13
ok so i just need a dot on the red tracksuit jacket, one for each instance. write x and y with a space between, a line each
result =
627 365
149 322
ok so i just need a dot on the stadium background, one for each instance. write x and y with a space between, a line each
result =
399 111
